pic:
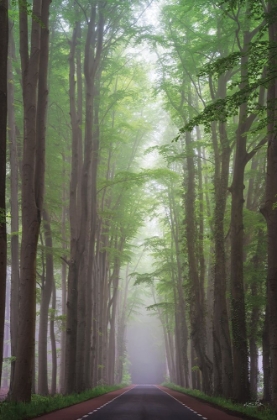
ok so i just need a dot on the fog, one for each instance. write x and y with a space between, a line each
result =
145 350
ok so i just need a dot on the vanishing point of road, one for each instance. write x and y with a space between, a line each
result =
141 402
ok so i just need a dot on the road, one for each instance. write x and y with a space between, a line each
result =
144 403
141 402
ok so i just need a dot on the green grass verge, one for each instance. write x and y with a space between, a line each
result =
42 405
262 414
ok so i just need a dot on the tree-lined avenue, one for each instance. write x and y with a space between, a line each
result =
138 213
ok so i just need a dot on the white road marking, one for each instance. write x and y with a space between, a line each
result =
107 403
204 418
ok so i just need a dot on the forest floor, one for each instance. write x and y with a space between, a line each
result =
244 412
80 410
41 405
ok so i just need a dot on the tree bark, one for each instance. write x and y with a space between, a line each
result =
14 207
121 329
46 292
270 209
3 147
32 68
71 316
196 293
64 291
53 342
223 366
255 316
180 302
266 358
241 386
7 347
93 51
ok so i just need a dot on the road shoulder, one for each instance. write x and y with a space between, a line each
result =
207 410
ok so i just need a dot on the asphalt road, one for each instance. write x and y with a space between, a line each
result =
143 402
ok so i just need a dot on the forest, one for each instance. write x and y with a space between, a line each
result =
138 175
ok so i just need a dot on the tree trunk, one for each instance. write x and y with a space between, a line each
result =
195 369
93 51
121 329
7 347
64 297
30 214
255 316
240 349
171 355
53 342
3 147
72 296
46 292
112 314
270 209
266 358
33 69
223 366
181 304
14 209
197 310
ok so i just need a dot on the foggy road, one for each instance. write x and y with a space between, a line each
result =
143 402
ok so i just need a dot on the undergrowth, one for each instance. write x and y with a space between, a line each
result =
261 413
42 405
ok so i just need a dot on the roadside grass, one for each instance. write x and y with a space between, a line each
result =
261 412
42 405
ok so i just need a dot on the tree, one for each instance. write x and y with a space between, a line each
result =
47 280
34 67
3 146
220 110
14 158
269 210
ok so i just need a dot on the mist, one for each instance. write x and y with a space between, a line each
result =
138 185
145 350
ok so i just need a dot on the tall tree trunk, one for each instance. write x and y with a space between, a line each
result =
64 297
197 310
255 316
93 51
72 297
14 208
181 304
46 292
270 209
241 386
34 70
121 329
222 342
53 342
195 369
112 307
7 347
3 146
266 358
95 327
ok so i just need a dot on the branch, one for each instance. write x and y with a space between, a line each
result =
85 13
65 260
254 151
